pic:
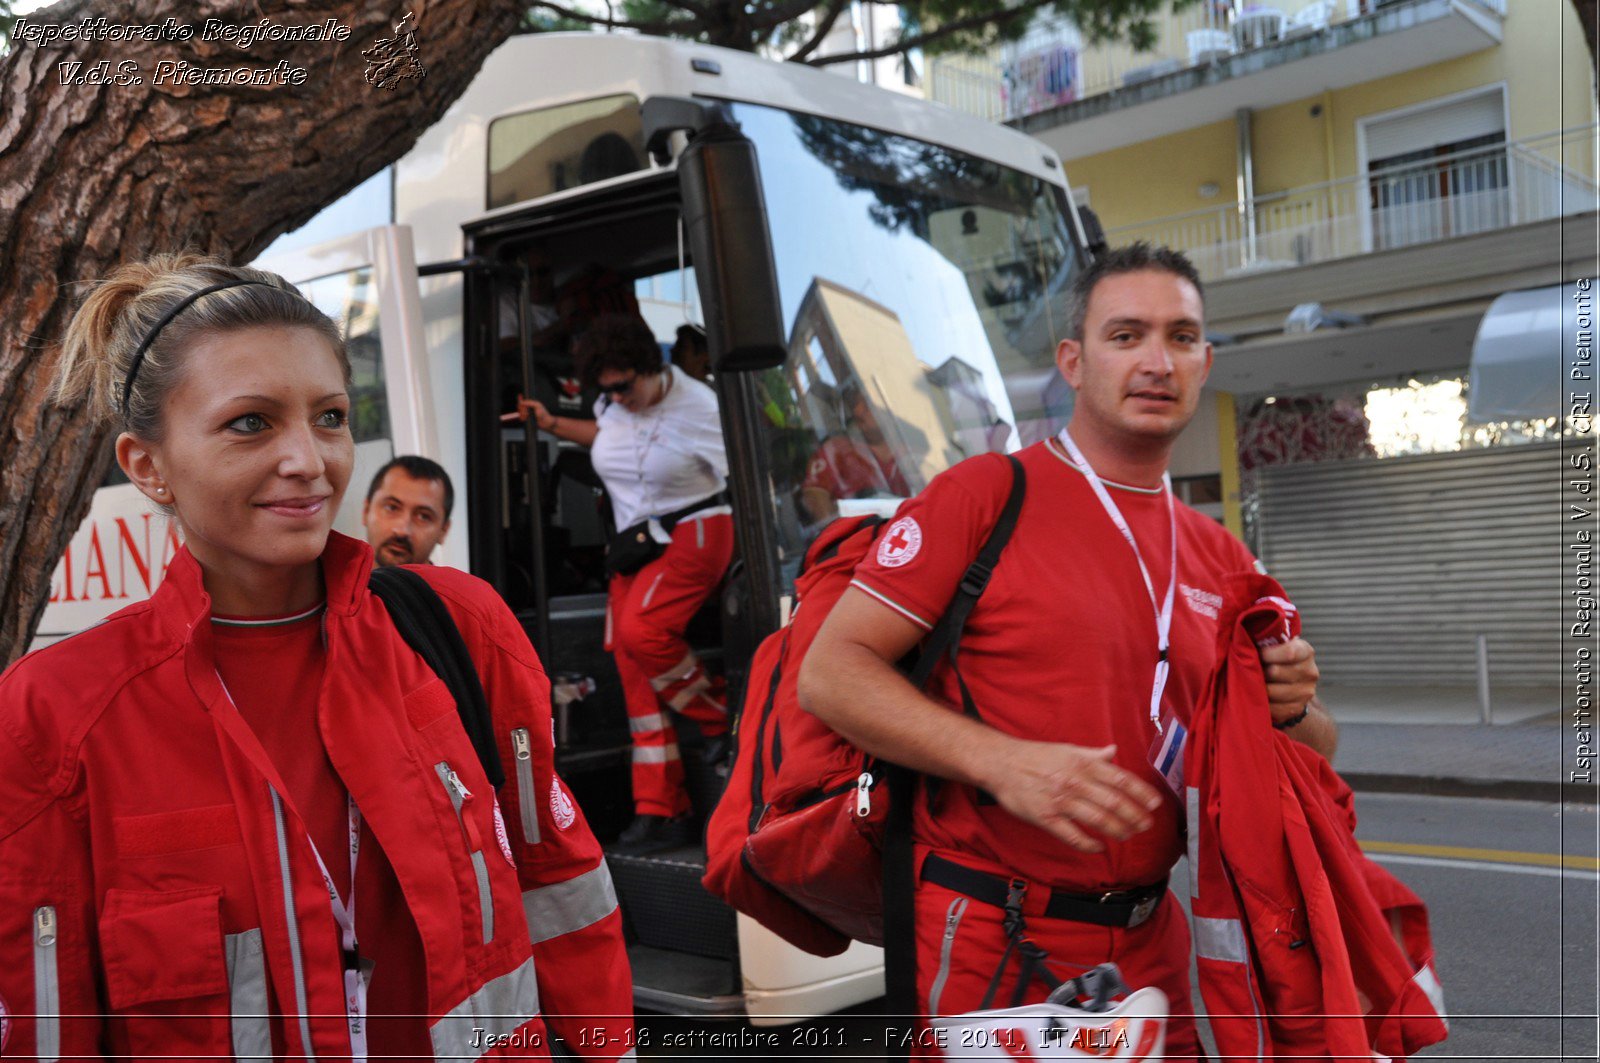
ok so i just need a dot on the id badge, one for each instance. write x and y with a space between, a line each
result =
1166 752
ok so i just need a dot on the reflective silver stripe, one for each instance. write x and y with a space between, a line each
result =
522 742
699 535
1192 807
645 724
655 754
294 928
485 899
247 996
952 920
563 907
689 693
1428 982
497 1010
1219 939
651 593
678 671
46 985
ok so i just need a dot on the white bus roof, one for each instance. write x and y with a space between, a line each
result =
440 184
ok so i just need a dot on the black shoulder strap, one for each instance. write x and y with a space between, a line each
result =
899 923
946 635
426 625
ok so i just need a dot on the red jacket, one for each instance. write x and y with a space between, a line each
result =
1295 929
154 882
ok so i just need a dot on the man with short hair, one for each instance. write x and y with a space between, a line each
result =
1092 641
407 511
692 353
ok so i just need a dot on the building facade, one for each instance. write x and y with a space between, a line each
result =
1393 206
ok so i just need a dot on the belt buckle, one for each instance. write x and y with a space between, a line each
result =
1143 910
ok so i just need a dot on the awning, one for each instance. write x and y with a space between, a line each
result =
1530 354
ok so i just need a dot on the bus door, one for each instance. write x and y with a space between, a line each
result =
551 269
367 284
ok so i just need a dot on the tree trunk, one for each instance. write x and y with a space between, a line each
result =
92 176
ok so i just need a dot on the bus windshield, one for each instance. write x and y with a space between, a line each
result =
923 292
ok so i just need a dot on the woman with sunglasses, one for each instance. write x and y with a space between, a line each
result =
243 819
656 442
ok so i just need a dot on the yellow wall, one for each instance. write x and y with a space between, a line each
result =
1124 184
1543 63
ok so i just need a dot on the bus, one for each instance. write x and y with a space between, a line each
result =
882 281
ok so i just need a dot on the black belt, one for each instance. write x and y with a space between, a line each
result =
678 516
1120 908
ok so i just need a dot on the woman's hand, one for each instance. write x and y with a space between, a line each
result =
543 419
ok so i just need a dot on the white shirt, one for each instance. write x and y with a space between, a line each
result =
664 457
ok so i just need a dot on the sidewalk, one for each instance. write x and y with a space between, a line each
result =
1435 742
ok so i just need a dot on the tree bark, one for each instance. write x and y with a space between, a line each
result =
95 175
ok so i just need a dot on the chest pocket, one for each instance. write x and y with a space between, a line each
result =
167 972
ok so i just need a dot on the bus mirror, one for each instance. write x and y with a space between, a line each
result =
725 219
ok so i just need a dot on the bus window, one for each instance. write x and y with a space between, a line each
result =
922 318
539 152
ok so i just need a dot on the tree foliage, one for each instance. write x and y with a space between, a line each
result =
796 27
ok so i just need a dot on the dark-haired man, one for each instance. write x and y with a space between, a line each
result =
407 511
1096 630
692 353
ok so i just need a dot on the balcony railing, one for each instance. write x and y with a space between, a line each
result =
1467 192
1052 66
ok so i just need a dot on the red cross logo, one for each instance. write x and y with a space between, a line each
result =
900 543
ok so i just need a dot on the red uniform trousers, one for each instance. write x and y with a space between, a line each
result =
647 613
960 942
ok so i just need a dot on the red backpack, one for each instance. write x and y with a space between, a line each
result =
796 840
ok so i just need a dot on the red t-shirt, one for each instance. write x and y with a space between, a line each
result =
845 469
273 671
1062 646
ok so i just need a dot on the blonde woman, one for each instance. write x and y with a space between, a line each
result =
243 819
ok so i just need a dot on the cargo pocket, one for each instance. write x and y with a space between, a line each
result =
166 971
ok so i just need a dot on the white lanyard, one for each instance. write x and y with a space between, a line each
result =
1163 612
355 984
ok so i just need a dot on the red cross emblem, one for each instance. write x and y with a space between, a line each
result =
900 543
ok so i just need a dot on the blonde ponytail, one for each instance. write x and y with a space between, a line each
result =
120 313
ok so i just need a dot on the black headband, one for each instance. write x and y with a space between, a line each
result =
178 308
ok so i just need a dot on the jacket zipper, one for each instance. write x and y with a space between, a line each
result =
523 745
952 920
459 796
46 985
863 785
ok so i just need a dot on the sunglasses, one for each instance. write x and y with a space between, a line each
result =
621 389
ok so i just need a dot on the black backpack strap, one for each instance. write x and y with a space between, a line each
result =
899 871
427 627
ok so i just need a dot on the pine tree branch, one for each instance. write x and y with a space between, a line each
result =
779 13
657 27
949 29
825 27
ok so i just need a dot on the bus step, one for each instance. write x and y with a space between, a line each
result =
677 983
666 907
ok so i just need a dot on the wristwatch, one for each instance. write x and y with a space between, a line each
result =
1294 721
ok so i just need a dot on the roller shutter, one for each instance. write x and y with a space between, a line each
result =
1398 565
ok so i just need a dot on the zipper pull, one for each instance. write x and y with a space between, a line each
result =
864 794
520 743
44 926
460 787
